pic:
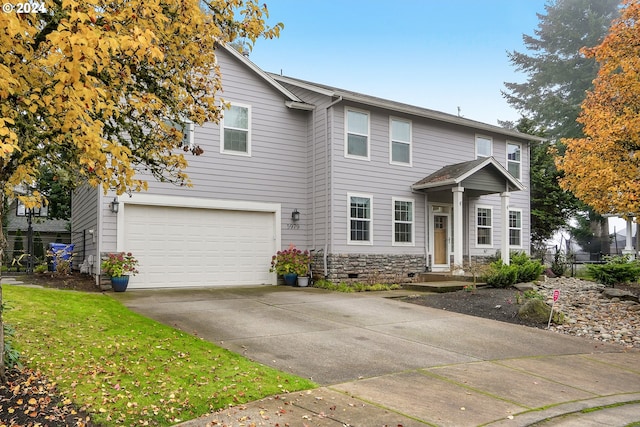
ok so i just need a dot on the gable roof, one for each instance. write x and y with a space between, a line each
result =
291 100
455 174
347 95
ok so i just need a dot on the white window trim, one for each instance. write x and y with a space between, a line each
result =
189 134
409 143
519 162
476 226
231 152
515 228
359 242
478 136
346 134
188 131
393 221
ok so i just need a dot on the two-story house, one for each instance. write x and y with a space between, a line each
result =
379 190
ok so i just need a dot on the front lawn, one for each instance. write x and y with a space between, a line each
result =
126 369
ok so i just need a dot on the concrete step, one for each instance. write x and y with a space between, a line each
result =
441 286
443 277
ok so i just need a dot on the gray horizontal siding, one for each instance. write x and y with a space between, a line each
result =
276 171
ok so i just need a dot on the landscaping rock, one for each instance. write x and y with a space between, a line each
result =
523 287
612 293
535 310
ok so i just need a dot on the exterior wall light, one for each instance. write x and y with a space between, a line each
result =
295 215
114 205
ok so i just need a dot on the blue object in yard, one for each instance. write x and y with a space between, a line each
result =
61 251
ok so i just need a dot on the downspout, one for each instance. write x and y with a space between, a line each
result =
98 238
313 178
328 179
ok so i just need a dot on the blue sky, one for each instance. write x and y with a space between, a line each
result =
438 54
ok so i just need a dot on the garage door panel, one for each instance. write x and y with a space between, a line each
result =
199 247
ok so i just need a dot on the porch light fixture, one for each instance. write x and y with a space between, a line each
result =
295 215
114 205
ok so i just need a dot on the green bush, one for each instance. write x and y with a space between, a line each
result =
354 287
618 269
521 269
500 275
528 269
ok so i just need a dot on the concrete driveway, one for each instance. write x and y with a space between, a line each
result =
419 366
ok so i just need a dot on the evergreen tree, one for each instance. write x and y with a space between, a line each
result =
559 76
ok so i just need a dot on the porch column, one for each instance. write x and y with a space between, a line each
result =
457 231
504 244
628 245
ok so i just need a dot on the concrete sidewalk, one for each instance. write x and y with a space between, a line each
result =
385 362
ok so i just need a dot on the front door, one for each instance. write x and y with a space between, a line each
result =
440 240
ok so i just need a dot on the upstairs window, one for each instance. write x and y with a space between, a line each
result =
357 134
236 130
403 222
514 159
400 131
360 219
484 146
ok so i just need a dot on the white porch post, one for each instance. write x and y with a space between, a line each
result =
628 245
504 244
457 230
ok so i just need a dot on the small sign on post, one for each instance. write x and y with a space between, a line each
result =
556 295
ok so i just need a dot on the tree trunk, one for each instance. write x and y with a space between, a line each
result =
600 229
3 244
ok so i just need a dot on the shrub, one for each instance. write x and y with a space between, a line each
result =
558 266
528 269
500 275
354 287
40 268
618 269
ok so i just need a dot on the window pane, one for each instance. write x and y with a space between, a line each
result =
484 217
237 117
483 146
403 211
403 233
514 237
513 152
400 152
514 169
360 230
235 140
400 131
358 122
360 207
357 145
484 236
515 218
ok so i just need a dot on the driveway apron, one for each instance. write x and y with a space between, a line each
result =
430 366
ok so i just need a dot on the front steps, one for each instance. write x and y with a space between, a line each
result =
441 282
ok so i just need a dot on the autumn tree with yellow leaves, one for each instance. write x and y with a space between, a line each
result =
96 92
603 168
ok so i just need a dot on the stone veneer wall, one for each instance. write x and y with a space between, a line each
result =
369 268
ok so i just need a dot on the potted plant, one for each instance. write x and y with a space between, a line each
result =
119 266
291 263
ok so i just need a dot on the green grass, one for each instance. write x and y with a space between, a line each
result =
124 368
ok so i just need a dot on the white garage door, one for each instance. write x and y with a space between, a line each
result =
180 247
